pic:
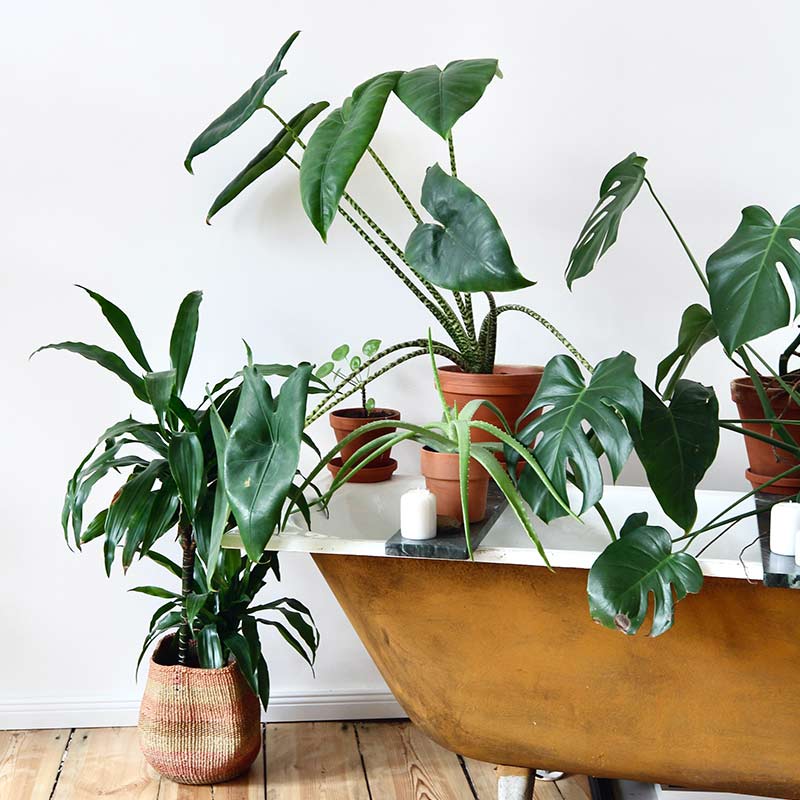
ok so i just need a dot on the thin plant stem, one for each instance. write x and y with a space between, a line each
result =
606 521
795 449
396 186
700 273
550 327
452 150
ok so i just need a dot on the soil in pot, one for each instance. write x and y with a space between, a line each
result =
442 478
509 387
344 422
766 460
197 726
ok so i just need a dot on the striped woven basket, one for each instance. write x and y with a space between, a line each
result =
198 726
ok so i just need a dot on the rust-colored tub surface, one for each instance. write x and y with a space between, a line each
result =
502 663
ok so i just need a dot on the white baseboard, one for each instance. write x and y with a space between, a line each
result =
88 712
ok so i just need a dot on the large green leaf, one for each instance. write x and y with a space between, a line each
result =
222 509
262 454
617 191
439 97
697 328
106 359
640 563
336 147
163 514
159 386
677 444
614 393
209 648
184 333
267 158
186 465
467 251
237 114
122 325
748 297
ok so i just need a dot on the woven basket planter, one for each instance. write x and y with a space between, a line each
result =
198 726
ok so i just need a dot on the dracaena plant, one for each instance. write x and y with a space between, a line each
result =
461 250
231 459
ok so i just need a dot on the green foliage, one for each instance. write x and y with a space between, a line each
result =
748 297
629 570
440 97
697 328
617 191
677 443
239 112
467 251
355 374
611 403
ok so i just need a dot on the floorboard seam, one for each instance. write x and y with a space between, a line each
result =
61 763
363 763
465 770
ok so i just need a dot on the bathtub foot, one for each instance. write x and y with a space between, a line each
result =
515 783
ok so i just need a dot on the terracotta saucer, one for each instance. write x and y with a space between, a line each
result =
368 474
785 486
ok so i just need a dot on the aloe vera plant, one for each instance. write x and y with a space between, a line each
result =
198 470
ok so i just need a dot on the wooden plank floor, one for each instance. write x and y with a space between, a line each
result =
302 761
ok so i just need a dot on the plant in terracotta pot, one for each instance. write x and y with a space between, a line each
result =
456 258
197 472
346 366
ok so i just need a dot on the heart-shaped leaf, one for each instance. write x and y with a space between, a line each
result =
439 97
677 444
237 114
614 392
748 297
262 454
617 191
467 251
267 158
697 328
336 147
640 563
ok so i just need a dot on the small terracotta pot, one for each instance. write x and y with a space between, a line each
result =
509 387
765 460
345 421
198 726
442 478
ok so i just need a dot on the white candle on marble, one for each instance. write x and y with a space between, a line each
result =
797 548
784 523
418 514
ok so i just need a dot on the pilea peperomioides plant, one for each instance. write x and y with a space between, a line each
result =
231 460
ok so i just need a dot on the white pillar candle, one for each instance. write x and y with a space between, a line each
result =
797 548
784 523
418 514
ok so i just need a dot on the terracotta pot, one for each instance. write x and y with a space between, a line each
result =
198 726
765 460
509 387
442 478
345 421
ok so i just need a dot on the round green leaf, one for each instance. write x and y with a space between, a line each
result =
371 346
355 363
341 352
323 370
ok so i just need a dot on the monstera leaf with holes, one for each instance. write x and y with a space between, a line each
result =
466 251
617 191
239 112
748 296
677 443
629 570
697 328
613 394
440 97
336 147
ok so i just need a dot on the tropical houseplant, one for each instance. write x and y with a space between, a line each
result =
345 365
462 251
232 459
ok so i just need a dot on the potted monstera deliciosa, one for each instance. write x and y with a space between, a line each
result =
195 472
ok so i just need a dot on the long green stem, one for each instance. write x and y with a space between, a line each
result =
700 273
396 186
451 148
795 449
550 327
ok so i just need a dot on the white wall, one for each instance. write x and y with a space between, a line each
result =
100 102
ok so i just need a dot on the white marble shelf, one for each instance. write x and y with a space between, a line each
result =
363 516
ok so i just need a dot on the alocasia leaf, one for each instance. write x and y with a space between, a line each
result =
439 97
677 443
237 114
617 191
613 393
638 564
748 297
697 328
336 147
466 251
